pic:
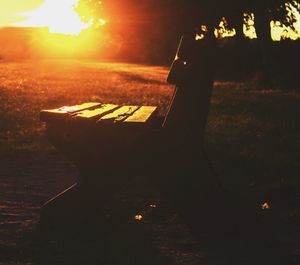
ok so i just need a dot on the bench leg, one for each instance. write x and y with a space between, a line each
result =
75 205
87 202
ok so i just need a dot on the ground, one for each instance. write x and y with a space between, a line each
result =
252 141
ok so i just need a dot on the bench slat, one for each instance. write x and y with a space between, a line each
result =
119 114
142 115
101 113
96 113
65 111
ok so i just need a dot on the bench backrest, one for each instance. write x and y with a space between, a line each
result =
193 73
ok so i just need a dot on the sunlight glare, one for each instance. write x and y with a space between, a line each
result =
280 31
248 27
59 16
223 31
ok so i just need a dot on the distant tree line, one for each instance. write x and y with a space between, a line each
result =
149 31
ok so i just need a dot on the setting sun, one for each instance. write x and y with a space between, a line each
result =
61 28
59 16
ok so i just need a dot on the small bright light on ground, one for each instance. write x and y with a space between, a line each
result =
138 217
265 206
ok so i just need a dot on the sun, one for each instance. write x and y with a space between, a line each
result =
59 16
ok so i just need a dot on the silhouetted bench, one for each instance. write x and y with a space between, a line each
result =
111 143
106 142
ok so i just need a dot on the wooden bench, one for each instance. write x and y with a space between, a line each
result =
106 138
111 143
106 142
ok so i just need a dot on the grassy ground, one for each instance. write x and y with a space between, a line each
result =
256 127
252 135
27 87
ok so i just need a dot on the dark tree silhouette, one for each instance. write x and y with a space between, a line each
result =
189 12
154 27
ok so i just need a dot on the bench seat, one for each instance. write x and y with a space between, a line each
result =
104 139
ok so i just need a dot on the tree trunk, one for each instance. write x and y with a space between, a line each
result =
263 31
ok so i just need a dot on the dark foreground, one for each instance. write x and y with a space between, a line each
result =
161 237
252 139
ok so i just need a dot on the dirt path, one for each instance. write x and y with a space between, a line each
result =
26 182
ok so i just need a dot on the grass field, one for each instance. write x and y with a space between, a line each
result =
254 130
28 87
252 134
